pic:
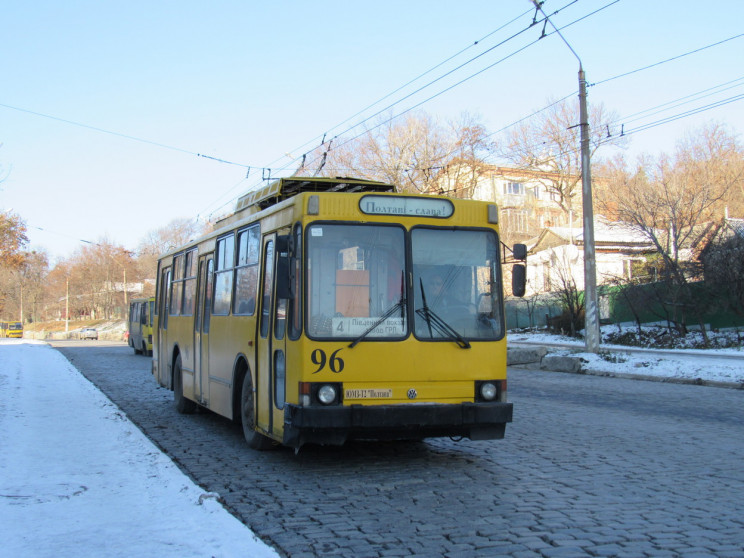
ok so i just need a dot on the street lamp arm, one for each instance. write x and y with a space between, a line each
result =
538 7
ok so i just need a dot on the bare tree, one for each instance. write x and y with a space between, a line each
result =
466 166
668 199
159 241
176 233
31 281
549 144
416 154
97 280
565 290
13 240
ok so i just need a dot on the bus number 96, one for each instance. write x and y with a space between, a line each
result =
319 359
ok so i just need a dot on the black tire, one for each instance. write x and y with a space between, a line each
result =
183 405
255 440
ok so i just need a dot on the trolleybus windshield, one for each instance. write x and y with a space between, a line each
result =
456 285
356 283
355 276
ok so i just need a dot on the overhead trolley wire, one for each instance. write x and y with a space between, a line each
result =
121 135
441 92
680 101
412 81
667 60
685 114
627 132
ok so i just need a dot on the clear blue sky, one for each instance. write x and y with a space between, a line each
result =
247 82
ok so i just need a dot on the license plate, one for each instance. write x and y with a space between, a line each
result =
368 394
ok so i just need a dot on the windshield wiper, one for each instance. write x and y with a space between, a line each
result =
390 311
438 324
400 304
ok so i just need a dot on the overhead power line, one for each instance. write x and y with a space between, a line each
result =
667 60
684 114
676 102
471 76
125 136
412 81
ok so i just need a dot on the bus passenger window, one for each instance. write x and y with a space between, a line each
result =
224 274
176 293
189 283
246 272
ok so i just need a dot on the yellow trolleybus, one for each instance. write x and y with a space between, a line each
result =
325 310
11 329
140 325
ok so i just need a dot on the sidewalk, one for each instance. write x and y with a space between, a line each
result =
77 478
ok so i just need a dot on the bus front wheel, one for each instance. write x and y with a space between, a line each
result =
183 405
255 440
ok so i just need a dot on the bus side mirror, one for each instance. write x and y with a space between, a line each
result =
284 268
520 252
519 279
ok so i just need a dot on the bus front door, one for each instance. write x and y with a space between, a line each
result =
270 347
201 329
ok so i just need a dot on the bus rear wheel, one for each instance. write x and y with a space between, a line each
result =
255 440
183 405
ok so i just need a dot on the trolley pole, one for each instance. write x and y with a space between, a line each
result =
591 320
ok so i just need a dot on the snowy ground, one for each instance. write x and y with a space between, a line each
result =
77 478
709 365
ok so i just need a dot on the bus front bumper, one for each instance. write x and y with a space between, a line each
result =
335 425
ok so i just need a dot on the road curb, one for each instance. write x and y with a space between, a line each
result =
541 359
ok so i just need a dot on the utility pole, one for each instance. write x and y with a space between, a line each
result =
591 314
591 321
126 300
67 304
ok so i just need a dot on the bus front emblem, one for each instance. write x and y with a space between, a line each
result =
412 393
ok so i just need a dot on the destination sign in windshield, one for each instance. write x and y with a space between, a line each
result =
390 327
409 207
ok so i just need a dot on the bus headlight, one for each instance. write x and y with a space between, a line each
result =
317 393
488 391
327 394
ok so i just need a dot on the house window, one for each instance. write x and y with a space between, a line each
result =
535 192
515 220
514 188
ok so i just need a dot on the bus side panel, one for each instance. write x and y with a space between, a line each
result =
229 337
155 352
181 328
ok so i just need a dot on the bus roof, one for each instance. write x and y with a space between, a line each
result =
284 188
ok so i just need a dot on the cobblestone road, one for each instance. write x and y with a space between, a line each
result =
591 466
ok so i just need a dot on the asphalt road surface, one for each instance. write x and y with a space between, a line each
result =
591 466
